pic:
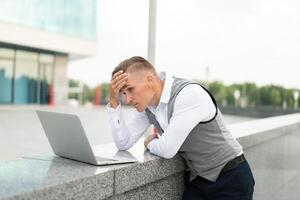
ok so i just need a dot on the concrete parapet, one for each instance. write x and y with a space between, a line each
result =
52 177
257 112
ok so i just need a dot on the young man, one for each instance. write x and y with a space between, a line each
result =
189 123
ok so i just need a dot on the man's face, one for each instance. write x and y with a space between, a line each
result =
138 91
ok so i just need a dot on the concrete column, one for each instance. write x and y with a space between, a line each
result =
60 80
152 31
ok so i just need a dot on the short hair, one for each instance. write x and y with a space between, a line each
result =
134 63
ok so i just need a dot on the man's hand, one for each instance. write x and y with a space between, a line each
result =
149 138
118 81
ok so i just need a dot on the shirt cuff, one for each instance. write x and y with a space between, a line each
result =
151 145
114 114
111 109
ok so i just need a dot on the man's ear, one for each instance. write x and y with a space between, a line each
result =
149 79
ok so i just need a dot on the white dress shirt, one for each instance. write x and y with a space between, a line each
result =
192 105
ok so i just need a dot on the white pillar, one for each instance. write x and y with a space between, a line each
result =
152 31
60 81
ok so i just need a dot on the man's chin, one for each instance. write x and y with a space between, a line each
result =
140 109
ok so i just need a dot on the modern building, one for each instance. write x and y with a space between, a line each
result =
37 39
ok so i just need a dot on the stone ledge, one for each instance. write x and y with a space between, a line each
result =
51 177
167 188
59 178
262 130
138 175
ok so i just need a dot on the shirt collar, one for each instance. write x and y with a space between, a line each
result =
166 93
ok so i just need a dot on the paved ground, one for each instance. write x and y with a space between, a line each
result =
276 167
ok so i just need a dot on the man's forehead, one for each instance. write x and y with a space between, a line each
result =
131 82
133 74
125 87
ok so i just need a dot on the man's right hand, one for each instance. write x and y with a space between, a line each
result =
118 81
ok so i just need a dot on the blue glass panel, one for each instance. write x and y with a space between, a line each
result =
26 76
46 63
75 18
6 67
6 75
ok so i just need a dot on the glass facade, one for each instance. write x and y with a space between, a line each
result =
6 74
25 76
75 18
46 63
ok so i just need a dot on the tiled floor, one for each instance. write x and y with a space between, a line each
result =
276 167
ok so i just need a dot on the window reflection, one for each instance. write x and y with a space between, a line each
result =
75 18
6 75
46 62
26 75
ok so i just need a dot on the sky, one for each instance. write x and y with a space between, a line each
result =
232 41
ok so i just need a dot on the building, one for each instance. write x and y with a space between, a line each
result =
37 39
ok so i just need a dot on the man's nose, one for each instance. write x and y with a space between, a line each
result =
128 98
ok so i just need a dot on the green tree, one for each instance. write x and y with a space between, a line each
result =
73 84
230 93
87 92
252 93
105 93
289 98
272 95
218 89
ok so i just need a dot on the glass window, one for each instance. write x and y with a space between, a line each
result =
32 79
7 53
26 76
46 58
45 77
6 75
76 18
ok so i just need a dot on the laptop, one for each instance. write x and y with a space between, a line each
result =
68 139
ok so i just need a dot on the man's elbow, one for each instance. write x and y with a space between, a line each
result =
168 155
166 152
122 147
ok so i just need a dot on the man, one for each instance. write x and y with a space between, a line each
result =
189 123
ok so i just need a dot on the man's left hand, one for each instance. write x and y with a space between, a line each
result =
149 138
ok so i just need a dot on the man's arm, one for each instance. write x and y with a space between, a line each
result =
192 105
117 82
125 135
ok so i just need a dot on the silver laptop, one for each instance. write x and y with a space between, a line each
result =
68 139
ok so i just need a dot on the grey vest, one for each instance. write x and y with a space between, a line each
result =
209 146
